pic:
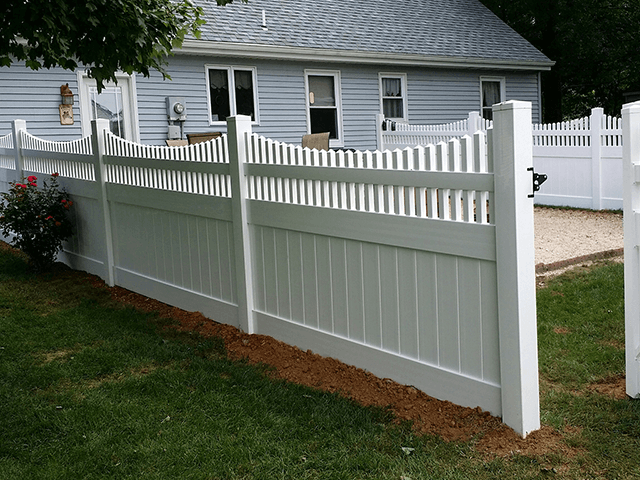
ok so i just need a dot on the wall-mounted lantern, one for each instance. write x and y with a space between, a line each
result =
66 106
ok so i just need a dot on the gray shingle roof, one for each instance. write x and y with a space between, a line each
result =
460 29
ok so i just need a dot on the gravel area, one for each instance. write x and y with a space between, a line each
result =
561 234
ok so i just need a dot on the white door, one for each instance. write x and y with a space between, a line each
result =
116 103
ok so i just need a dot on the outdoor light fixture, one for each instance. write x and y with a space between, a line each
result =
66 94
66 105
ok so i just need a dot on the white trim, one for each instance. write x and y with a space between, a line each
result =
539 98
248 50
405 101
232 91
503 89
128 85
337 142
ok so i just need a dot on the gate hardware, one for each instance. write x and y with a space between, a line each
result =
538 179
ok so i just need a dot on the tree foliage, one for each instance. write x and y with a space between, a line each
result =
594 45
106 36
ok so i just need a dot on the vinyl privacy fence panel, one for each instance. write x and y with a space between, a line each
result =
583 160
170 211
416 264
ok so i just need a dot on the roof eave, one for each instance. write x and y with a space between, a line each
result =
247 50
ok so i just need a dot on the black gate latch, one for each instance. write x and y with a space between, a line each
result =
538 179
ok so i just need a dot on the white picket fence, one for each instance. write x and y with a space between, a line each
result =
582 158
392 135
416 265
631 156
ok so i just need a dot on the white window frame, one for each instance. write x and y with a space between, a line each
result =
403 81
503 90
128 85
232 91
333 142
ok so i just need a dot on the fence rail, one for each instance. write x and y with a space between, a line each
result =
582 158
416 264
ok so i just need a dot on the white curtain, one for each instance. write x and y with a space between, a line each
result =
392 107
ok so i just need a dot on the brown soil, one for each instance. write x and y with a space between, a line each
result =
615 387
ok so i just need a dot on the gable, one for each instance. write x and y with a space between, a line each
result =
446 32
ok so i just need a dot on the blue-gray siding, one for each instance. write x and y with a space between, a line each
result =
434 96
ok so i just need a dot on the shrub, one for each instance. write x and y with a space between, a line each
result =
37 218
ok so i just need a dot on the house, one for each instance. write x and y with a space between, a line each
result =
301 66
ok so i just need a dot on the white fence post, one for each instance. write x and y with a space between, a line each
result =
474 123
512 156
98 128
238 133
631 175
379 121
17 145
596 157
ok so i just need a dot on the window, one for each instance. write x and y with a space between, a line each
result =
116 103
491 92
393 90
232 91
323 105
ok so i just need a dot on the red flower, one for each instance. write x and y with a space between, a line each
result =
55 174
33 184
21 185
32 179
49 218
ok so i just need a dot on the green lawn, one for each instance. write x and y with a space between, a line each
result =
90 389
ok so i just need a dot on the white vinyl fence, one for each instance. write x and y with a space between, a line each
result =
631 155
416 265
392 135
582 158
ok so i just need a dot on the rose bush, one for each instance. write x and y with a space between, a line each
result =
37 218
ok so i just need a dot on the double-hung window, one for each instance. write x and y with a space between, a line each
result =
324 110
393 93
492 91
231 91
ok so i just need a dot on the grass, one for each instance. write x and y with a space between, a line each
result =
90 389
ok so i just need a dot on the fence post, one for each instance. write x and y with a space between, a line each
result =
631 176
474 123
512 155
596 157
98 128
238 132
17 145
379 141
